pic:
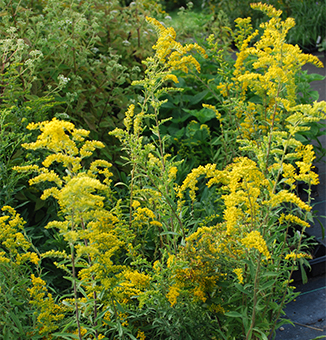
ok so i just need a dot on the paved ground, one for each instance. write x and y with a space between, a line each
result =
308 312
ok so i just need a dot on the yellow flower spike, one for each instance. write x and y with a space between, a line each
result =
173 294
255 240
89 146
171 52
199 294
295 256
135 204
285 196
170 261
49 313
171 77
79 134
78 194
129 116
173 173
294 219
239 272
269 10
157 266
26 168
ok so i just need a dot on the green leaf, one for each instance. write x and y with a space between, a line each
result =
13 301
241 288
203 115
303 274
39 204
169 233
17 322
233 314
315 77
263 336
198 97
66 335
314 95
322 228
267 285
120 330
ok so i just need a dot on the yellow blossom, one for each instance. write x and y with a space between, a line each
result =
255 240
140 335
200 294
296 256
171 52
239 272
173 294
173 172
294 219
135 204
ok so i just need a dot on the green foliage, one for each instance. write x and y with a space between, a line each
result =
91 50
310 23
16 319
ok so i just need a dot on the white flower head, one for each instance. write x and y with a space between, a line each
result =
63 81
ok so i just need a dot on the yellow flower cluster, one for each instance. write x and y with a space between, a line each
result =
284 196
239 272
274 65
60 138
13 239
191 180
195 269
173 294
172 53
305 166
295 256
294 219
255 240
76 190
173 172
140 335
49 314
132 284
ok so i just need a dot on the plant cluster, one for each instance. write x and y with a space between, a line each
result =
206 255
309 16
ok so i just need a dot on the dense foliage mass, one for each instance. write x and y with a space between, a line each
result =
199 235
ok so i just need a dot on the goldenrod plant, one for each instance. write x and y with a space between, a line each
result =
140 267
151 165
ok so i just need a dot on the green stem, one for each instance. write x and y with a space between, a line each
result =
72 251
93 278
253 316
75 289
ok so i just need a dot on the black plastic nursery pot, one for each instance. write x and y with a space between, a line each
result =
317 264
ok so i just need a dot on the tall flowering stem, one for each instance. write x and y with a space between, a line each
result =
150 159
